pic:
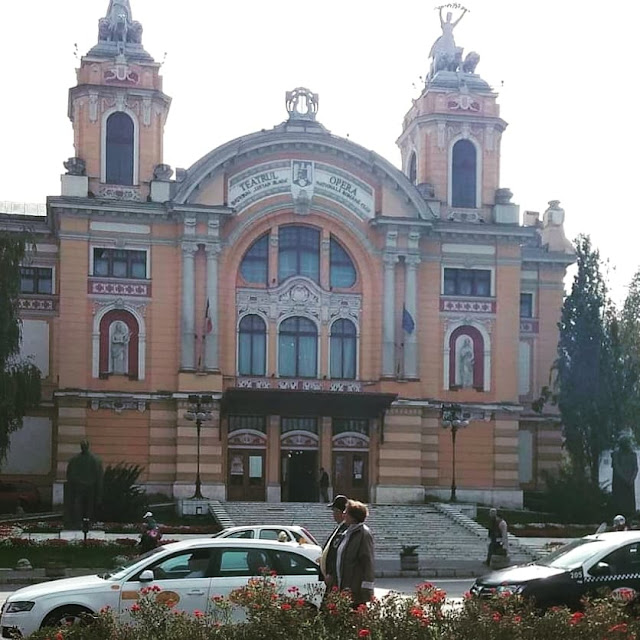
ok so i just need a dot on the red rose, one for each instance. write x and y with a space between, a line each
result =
364 633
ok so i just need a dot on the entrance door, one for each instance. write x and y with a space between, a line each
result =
351 474
300 476
246 475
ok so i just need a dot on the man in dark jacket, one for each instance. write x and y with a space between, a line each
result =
354 560
329 551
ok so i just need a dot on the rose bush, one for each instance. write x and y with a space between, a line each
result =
270 611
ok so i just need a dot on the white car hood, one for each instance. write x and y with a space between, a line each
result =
80 583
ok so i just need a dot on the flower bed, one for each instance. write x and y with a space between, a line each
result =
55 526
552 530
271 614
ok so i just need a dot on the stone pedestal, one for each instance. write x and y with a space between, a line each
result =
193 507
75 186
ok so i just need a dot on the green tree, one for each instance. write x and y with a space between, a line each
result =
19 379
629 339
587 368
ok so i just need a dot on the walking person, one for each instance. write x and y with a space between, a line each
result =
498 536
323 485
620 524
354 558
150 534
330 549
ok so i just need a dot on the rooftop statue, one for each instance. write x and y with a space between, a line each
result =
118 25
445 55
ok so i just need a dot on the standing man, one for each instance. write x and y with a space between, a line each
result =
323 484
498 536
355 558
330 549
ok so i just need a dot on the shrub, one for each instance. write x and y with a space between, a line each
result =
122 499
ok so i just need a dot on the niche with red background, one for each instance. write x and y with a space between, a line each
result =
132 325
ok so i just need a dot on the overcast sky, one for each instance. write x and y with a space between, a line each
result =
565 71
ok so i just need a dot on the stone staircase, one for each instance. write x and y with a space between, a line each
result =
441 531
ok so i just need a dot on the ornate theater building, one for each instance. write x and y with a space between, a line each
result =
334 310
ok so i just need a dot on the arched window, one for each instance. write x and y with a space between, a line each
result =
298 253
298 348
120 151
463 174
255 264
413 169
252 346
342 271
343 349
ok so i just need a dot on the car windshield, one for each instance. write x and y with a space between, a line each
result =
303 537
573 554
124 569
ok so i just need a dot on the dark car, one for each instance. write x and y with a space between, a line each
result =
582 567
14 494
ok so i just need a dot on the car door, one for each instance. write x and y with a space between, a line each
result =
618 571
184 580
298 572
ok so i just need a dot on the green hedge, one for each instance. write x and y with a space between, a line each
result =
274 615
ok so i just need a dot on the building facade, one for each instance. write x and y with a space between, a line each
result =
330 305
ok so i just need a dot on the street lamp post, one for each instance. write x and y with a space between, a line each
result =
199 412
453 418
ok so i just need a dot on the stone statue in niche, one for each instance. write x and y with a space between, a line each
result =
119 348
465 360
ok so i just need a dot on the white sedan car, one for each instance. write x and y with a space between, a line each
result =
189 574
293 533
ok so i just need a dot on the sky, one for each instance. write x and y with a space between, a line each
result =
564 71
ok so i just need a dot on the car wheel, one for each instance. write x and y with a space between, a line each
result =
67 616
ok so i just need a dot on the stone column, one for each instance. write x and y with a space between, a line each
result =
388 316
411 339
188 351
211 355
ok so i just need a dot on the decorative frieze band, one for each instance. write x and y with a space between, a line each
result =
529 326
43 304
119 287
289 384
466 305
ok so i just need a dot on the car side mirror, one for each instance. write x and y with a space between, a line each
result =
146 576
600 569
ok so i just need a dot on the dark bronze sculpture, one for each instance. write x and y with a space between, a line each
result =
83 490
625 469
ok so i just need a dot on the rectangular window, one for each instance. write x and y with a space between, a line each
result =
357 425
36 280
120 263
526 305
467 282
299 424
257 423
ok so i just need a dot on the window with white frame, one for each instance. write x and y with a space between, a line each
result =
298 348
36 280
526 305
467 282
119 263
252 346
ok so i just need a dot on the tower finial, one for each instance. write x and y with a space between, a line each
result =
118 25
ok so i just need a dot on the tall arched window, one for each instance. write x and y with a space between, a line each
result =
298 252
413 169
298 348
342 272
120 149
255 264
252 346
463 174
343 349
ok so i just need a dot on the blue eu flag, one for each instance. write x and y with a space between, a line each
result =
407 321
